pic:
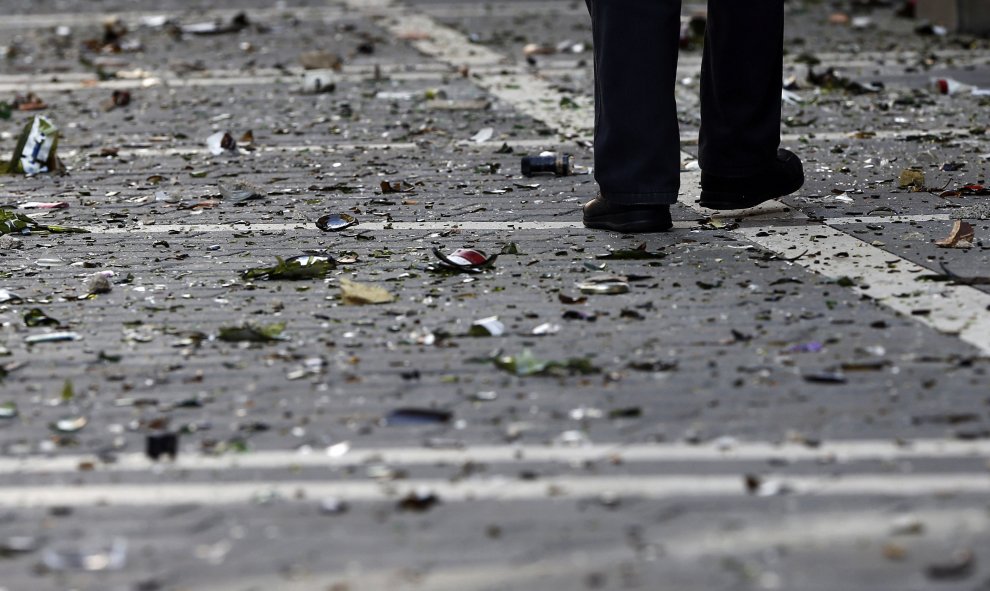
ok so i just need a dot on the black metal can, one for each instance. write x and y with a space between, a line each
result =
162 444
555 164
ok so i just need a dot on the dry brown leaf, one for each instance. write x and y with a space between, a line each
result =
353 293
961 236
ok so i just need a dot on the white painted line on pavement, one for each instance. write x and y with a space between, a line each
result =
839 452
499 489
885 277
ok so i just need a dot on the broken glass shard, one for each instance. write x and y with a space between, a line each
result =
69 424
293 269
8 410
334 222
399 186
240 192
466 259
420 499
406 417
18 223
36 317
9 297
332 506
90 555
52 337
527 364
604 284
251 333
483 135
487 327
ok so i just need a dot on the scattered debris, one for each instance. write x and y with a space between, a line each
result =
961 565
466 260
321 60
162 444
99 283
119 98
527 364
52 337
240 192
911 178
221 143
250 333
831 80
418 500
487 327
405 417
950 86
90 554
36 151
353 293
547 163
36 317
483 135
604 285
297 268
29 102
335 222
961 236
319 81
217 27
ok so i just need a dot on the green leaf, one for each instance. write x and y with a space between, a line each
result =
36 317
293 269
526 364
12 222
68 393
251 333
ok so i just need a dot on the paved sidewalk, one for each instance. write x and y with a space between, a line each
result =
788 398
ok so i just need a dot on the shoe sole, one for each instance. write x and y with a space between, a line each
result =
720 200
626 225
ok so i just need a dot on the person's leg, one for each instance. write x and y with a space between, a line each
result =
741 78
637 143
740 106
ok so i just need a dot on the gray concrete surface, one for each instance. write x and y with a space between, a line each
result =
748 419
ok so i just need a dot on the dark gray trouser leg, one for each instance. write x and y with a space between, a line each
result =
637 143
740 86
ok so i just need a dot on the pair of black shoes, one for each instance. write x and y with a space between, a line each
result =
784 177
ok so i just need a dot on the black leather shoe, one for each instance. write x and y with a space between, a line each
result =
628 219
785 176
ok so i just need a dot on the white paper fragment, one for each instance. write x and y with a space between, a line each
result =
483 135
221 142
318 81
